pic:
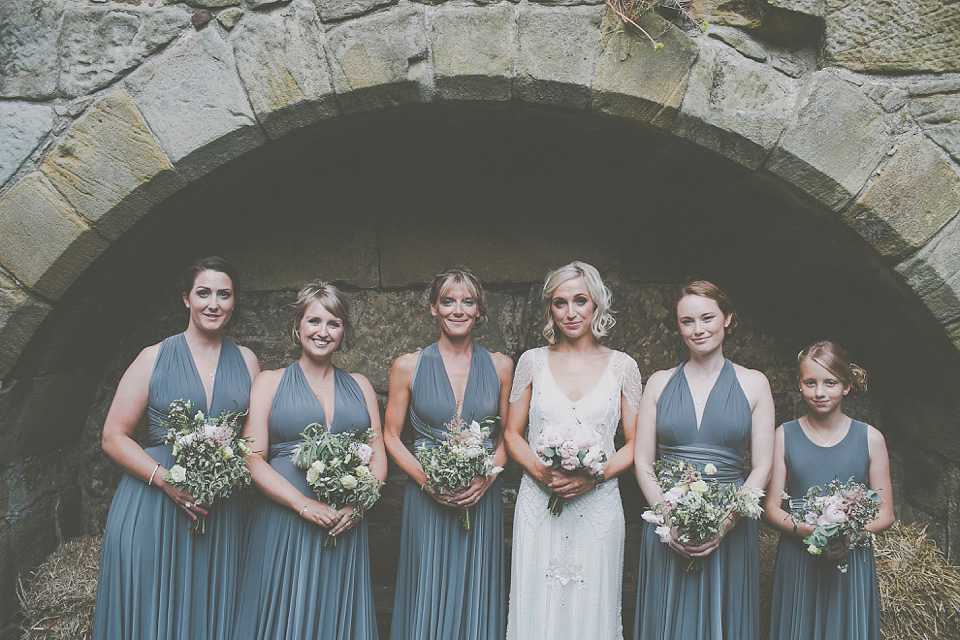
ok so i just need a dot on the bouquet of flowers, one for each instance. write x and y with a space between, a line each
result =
337 469
569 447
209 452
697 505
458 458
836 511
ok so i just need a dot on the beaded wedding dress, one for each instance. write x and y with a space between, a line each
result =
568 569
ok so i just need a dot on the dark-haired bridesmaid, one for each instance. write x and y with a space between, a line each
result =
812 598
157 580
293 586
706 410
451 581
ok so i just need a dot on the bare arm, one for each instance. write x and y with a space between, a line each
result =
250 359
773 512
513 436
879 479
645 449
270 482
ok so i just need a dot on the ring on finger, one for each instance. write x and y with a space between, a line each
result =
188 504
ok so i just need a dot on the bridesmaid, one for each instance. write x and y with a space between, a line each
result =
451 581
705 410
292 586
157 580
812 599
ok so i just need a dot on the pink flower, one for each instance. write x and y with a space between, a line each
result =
592 459
652 517
569 450
570 464
664 533
672 497
833 514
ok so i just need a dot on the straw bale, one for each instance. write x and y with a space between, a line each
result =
57 600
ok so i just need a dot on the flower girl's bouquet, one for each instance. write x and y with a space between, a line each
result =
841 509
458 458
209 452
338 471
697 504
569 447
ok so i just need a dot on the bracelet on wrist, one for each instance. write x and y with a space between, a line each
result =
150 481
304 510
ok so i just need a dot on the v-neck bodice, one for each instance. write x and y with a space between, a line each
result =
724 426
175 377
584 397
432 401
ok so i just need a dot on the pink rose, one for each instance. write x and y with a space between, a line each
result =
569 450
570 464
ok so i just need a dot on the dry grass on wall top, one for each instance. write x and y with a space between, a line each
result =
57 602
919 591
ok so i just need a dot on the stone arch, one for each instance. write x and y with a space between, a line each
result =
839 148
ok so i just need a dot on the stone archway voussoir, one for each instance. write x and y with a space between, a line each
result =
109 167
193 101
20 316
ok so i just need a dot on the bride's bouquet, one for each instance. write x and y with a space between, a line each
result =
696 504
337 466
209 453
569 447
458 458
841 509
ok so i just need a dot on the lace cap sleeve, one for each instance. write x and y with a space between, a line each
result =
523 375
630 384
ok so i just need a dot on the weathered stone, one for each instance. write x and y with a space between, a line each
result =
29 65
939 116
931 85
211 4
897 36
283 66
789 64
110 168
20 315
200 18
814 8
230 17
42 240
836 142
99 44
889 98
637 82
914 196
23 126
934 273
192 99
567 3
559 48
734 13
335 10
474 51
382 60
739 41
735 107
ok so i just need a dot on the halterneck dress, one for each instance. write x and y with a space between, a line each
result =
292 587
722 600
450 582
567 570
157 580
812 599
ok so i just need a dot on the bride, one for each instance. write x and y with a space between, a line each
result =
568 569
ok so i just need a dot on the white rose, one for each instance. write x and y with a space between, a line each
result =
699 486
363 471
815 550
319 466
312 475
348 482
226 452
664 533
177 473
651 517
710 469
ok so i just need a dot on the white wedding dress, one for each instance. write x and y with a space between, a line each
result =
567 571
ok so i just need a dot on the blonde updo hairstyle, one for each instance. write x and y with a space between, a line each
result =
834 359
333 300
602 320
707 289
444 281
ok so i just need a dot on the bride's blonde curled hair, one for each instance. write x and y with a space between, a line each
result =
602 320
832 357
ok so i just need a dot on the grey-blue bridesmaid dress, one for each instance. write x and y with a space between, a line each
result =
812 599
291 586
722 600
157 580
451 582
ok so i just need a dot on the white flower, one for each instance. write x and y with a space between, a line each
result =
473 452
651 517
699 486
319 466
226 452
244 448
664 533
312 475
492 469
814 550
363 471
177 473
199 416
348 482
710 469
